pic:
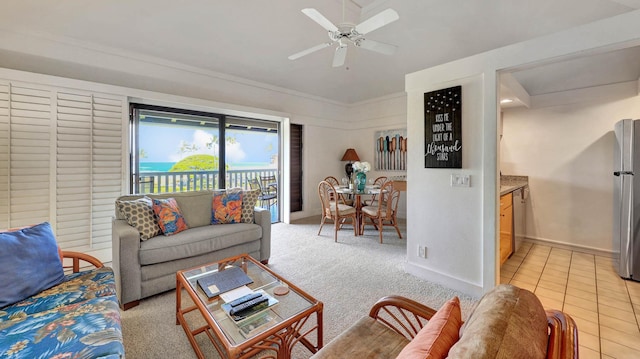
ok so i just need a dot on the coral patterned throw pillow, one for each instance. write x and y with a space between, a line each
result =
227 207
170 218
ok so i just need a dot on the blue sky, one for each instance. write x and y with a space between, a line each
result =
162 144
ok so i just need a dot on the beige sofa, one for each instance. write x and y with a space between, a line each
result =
145 268
508 322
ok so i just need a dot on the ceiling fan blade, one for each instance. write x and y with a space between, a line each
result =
316 16
298 55
339 56
377 46
377 21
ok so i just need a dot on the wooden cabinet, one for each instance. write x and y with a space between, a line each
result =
506 226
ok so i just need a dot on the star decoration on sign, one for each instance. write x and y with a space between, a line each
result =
440 101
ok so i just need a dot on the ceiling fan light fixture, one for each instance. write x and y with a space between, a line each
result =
346 32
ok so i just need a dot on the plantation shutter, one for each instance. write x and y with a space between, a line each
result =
107 152
89 170
73 166
29 155
4 155
61 161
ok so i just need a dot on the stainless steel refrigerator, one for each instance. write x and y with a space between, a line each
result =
626 203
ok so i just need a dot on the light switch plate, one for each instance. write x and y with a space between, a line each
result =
460 180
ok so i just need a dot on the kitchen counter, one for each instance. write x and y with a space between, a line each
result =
510 184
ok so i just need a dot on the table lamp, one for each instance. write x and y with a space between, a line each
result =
350 155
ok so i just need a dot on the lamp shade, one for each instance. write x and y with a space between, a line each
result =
350 155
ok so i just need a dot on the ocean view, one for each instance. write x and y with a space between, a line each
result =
166 166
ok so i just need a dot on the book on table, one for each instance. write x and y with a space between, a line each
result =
222 281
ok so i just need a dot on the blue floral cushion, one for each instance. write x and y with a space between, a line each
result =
76 287
78 318
30 263
88 329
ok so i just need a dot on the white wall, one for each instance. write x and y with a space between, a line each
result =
386 113
447 220
461 225
567 152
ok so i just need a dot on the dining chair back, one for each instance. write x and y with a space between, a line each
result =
384 212
263 197
340 197
334 210
269 184
378 182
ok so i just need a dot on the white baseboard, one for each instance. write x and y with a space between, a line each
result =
443 279
571 247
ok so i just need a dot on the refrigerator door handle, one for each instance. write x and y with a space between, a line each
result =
619 173
629 242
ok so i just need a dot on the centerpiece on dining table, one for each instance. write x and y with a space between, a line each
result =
360 170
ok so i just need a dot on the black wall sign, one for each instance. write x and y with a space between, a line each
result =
443 128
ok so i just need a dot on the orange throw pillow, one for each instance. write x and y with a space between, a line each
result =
441 333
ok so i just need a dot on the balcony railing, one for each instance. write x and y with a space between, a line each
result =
163 182
157 182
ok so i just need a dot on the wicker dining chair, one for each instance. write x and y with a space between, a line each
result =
380 181
334 182
334 210
384 213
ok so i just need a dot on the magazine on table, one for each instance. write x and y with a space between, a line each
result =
257 324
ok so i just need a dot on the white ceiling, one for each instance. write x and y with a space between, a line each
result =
253 38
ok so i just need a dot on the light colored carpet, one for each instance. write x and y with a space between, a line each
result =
348 277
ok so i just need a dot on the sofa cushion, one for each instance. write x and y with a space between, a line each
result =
139 214
169 216
88 329
365 336
508 322
76 287
249 199
226 206
30 263
436 338
197 241
195 206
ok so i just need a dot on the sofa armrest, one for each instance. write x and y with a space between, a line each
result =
563 335
76 257
405 316
262 217
126 261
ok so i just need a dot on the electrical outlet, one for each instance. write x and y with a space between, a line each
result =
422 252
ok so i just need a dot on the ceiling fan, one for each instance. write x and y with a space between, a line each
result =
345 33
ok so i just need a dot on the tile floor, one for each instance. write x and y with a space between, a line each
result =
605 307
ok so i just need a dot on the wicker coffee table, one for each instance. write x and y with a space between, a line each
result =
284 324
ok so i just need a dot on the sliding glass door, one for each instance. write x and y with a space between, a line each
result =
176 150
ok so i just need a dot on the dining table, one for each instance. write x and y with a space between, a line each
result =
357 201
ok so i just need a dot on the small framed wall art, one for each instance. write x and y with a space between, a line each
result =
443 128
390 149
